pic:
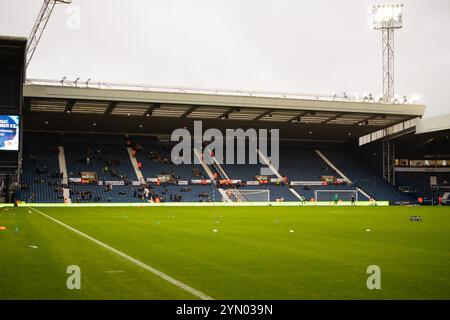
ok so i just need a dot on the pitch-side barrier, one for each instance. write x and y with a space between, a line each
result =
205 204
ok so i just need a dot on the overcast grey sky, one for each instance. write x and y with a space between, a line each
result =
314 46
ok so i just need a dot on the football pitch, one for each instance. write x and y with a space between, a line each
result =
224 252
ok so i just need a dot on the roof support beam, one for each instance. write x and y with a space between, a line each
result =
304 113
333 117
226 113
188 112
262 115
111 107
151 108
366 119
69 106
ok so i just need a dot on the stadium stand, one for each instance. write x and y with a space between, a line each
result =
363 177
419 183
111 143
245 172
155 160
94 193
303 164
41 178
108 158
110 162
191 193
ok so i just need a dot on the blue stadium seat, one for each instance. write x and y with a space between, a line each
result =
362 176
41 181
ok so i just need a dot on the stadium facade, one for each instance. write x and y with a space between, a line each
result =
110 143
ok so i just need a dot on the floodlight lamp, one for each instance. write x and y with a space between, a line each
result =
387 16
415 98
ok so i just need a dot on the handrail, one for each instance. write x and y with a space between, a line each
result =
209 91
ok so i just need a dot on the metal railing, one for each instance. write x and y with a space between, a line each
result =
210 91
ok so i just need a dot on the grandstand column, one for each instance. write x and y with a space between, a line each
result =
328 162
224 175
267 162
389 161
364 193
138 171
204 165
222 192
62 165
66 195
65 176
275 172
295 193
133 160
331 164
220 169
224 195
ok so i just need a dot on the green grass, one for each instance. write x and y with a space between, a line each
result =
252 256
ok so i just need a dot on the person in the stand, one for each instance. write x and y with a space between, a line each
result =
335 198
353 200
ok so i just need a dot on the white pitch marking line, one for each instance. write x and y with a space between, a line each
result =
141 264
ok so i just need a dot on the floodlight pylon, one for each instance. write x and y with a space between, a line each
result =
387 18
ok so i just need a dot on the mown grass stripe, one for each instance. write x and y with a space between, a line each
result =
139 263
